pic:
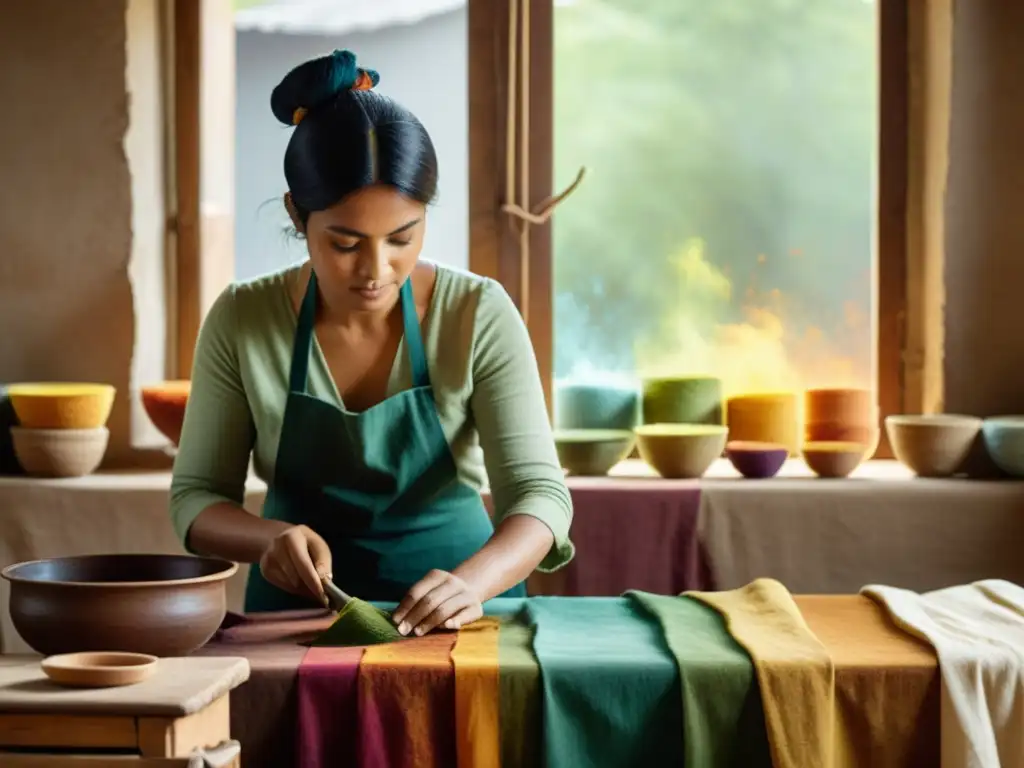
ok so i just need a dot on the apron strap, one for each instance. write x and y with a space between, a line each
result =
303 338
413 337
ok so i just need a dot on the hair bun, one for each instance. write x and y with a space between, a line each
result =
317 82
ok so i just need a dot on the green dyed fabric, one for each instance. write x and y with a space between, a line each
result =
359 623
723 721
519 713
610 685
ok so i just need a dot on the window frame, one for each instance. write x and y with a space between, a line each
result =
494 242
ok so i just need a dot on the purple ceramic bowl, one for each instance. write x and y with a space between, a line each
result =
757 460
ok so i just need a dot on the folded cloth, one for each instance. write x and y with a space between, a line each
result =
723 723
475 658
977 631
359 623
610 685
519 715
794 669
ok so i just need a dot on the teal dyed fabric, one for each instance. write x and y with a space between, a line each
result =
610 685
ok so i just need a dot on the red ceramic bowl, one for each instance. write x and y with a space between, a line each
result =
165 405
756 460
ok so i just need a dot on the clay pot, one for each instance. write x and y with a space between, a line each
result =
161 605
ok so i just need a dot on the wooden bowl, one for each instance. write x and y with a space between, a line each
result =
754 460
932 445
681 450
1004 441
59 452
592 452
161 605
62 406
99 670
165 405
834 459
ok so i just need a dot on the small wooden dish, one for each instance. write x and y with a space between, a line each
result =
99 670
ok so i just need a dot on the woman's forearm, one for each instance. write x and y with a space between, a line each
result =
227 531
512 553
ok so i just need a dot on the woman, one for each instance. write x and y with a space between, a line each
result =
365 383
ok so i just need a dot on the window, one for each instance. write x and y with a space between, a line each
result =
744 207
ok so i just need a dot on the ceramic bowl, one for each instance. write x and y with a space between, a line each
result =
932 445
834 459
765 418
161 605
62 406
165 405
592 451
595 406
1004 440
756 460
59 452
682 400
681 450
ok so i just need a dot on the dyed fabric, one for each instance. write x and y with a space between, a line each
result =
610 685
327 706
519 699
357 624
475 658
977 631
407 704
887 682
723 724
794 671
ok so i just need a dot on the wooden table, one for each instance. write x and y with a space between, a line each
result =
180 714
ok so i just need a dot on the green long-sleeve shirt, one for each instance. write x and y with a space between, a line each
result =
486 387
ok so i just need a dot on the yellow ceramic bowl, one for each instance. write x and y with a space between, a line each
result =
61 406
832 458
681 450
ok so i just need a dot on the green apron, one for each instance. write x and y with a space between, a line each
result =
380 486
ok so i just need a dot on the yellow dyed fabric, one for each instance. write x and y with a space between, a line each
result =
794 670
477 695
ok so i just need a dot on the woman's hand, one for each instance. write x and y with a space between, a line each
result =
439 599
297 561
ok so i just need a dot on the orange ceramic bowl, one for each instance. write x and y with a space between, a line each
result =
165 405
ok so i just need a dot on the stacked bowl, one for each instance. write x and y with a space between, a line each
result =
62 427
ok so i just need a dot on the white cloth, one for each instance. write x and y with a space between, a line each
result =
977 631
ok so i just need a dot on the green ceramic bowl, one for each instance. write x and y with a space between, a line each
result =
682 400
681 450
592 452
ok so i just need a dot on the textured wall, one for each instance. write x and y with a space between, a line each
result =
65 198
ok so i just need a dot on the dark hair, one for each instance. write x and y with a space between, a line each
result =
348 136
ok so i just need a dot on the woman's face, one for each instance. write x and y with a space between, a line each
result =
363 248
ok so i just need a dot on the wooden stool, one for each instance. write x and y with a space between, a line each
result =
161 722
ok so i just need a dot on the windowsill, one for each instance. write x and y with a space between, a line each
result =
880 470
